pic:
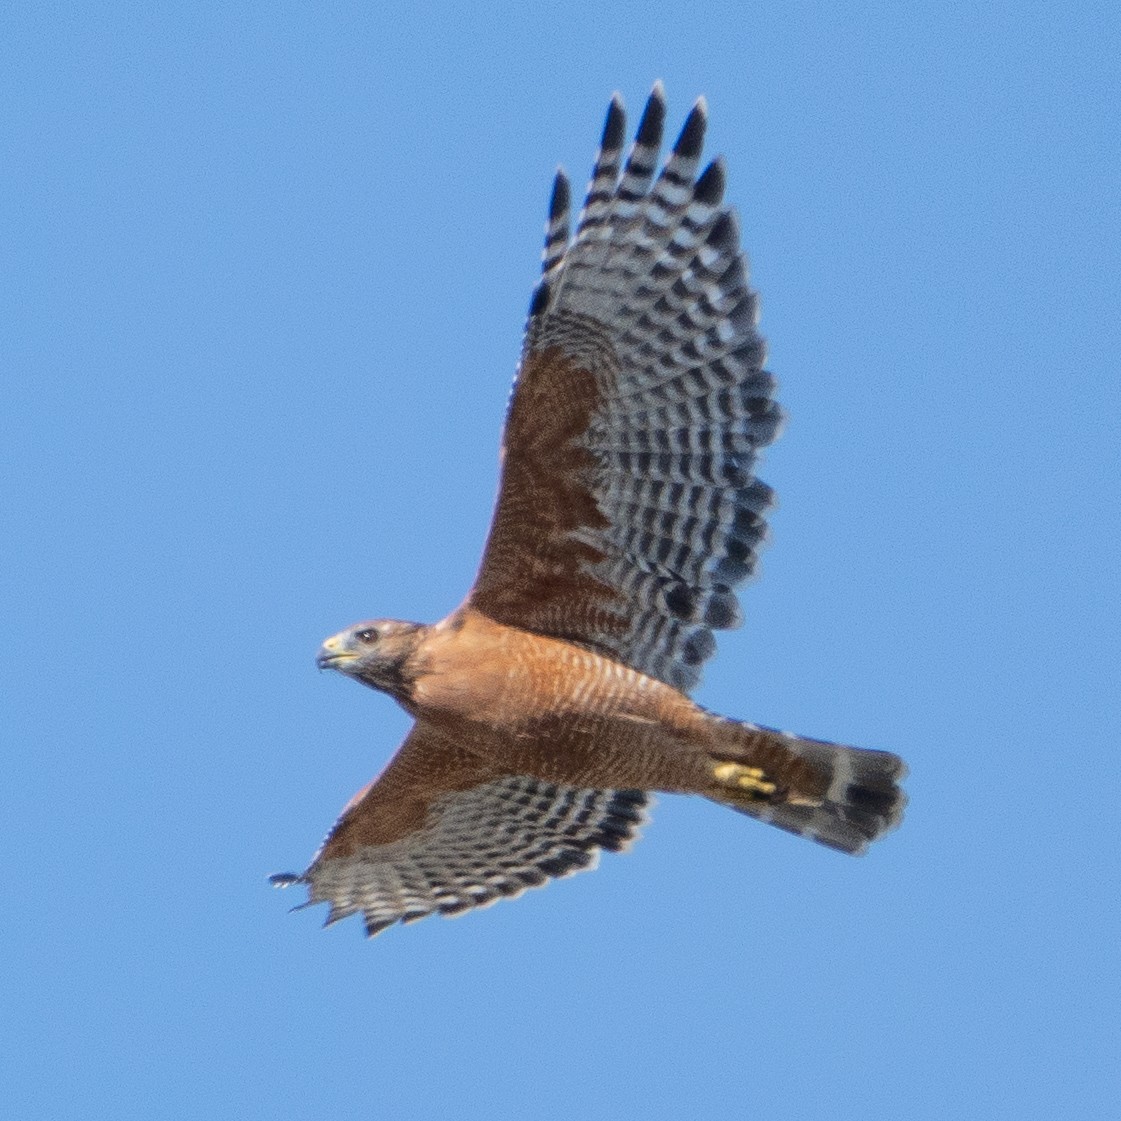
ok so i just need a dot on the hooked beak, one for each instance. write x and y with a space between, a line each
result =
333 654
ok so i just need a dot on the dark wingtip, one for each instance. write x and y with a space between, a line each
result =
692 137
699 647
615 125
709 188
334 915
561 198
653 118
285 879
539 301
725 233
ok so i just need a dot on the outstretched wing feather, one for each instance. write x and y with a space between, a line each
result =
439 833
629 509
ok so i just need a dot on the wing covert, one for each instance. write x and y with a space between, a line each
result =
628 509
436 833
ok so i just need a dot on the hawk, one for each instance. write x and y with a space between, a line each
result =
554 701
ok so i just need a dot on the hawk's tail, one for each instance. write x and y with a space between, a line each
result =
844 797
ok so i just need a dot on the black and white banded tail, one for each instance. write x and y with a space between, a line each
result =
843 797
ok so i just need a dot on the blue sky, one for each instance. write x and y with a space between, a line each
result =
265 272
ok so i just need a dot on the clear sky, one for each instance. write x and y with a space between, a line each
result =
263 274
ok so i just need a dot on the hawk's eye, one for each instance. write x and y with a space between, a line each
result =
367 635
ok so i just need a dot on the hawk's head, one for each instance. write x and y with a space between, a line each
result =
377 653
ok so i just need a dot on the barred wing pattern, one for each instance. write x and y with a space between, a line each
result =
628 510
469 847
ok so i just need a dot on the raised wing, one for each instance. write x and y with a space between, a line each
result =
436 834
628 509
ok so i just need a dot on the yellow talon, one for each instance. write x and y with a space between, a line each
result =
750 779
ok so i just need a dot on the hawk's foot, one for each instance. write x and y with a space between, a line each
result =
741 778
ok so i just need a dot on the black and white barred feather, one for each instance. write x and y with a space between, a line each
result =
477 846
652 297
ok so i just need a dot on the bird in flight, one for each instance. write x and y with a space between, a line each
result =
554 701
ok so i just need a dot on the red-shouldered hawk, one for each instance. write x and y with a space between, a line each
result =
554 699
